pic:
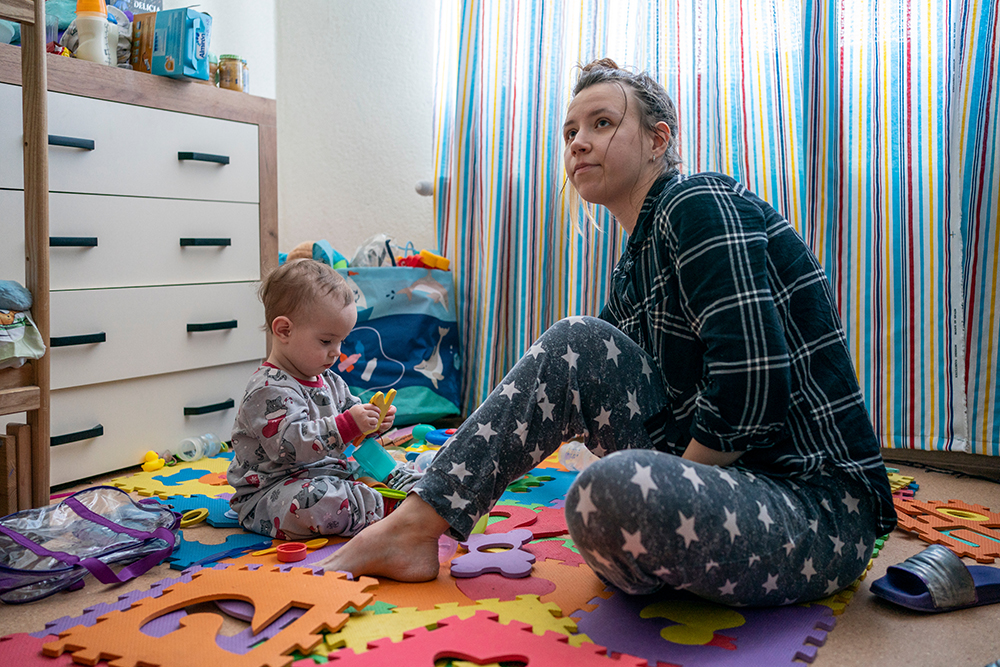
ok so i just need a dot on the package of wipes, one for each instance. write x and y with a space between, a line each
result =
181 39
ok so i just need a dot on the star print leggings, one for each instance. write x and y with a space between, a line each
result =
642 517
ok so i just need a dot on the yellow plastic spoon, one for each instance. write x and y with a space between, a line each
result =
318 543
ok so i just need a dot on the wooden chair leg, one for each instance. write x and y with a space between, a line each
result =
8 468
22 439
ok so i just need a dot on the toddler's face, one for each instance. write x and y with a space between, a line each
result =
316 335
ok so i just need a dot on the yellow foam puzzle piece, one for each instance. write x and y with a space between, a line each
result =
363 627
212 483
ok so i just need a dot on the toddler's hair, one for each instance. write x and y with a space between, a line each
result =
295 285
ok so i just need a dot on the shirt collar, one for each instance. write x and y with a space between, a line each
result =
644 224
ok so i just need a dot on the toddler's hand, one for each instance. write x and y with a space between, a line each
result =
390 417
365 416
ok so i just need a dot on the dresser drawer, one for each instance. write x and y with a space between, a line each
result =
115 334
141 241
100 241
136 151
139 415
12 233
11 146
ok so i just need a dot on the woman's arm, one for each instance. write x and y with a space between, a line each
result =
699 453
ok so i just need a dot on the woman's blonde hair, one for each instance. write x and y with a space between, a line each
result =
295 285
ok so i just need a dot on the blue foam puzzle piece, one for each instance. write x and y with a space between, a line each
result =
188 552
548 492
185 475
217 508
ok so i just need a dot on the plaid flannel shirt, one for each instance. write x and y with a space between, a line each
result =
739 316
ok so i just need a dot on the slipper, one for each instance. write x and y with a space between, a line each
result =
937 580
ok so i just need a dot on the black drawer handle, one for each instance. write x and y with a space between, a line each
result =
204 242
72 241
84 339
205 409
71 142
76 437
203 157
211 326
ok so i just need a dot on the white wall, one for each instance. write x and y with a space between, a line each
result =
245 28
355 89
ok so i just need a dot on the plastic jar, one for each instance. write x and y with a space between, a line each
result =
230 72
574 455
246 76
192 449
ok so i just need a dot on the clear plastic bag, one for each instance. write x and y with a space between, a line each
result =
52 548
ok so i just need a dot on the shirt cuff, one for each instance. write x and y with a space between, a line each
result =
347 426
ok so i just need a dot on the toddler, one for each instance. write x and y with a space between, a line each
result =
297 417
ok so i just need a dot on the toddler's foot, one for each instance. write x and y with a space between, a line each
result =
403 546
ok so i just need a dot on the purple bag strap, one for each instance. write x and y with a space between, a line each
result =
95 566
99 569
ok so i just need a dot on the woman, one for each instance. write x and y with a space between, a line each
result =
738 461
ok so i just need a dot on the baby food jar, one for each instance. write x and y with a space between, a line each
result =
231 72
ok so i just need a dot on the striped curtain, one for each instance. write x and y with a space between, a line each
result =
871 125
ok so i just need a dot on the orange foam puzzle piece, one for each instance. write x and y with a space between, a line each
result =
117 637
968 530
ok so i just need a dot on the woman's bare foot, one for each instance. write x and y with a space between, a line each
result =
403 546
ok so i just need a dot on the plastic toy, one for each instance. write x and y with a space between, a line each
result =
152 461
291 552
317 543
514 562
193 517
118 637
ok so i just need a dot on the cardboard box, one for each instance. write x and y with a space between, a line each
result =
142 42
181 39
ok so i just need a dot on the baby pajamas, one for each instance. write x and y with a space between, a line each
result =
291 478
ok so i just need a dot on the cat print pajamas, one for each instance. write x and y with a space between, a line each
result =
291 478
720 327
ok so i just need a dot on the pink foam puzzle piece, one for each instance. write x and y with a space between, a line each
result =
514 562
554 550
482 640
489 586
551 523
25 650
518 516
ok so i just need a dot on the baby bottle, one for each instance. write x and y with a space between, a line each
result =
192 449
574 455
92 26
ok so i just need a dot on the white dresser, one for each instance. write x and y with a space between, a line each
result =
162 214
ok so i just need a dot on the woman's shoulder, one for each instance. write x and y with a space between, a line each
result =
706 182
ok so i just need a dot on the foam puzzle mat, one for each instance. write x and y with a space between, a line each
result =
535 603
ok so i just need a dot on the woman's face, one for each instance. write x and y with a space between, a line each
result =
607 151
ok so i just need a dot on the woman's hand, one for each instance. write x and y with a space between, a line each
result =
699 453
365 416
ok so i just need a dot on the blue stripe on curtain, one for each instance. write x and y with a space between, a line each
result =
871 125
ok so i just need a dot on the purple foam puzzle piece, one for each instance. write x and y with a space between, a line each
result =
768 635
513 563
92 613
